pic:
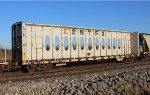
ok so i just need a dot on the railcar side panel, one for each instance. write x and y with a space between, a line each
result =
103 43
114 43
57 45
28 39
127 36
129 42
89 42
122 43
47 43
65 42
109 43
126 45
33 43
39 42
82 43
97 43
125 42
119 43
74 43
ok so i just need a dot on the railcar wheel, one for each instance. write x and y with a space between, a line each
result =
40 67
31 68
43 67
47 66
132 59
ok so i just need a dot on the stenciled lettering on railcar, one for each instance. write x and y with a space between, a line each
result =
89 32
65 30
81 32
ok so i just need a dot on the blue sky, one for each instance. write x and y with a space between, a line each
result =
127 16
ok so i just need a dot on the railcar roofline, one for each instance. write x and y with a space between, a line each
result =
62 26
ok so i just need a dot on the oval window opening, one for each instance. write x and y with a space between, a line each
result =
119 43
103 43
114 43
57 43
108 43
97 43
66 41
74 43
82 43
47 42
90 43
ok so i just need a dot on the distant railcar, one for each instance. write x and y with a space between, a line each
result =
35 45
144 42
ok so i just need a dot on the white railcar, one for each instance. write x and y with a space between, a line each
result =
39 43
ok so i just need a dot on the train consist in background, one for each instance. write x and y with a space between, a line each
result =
39 46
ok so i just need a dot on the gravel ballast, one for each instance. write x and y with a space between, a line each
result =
132 81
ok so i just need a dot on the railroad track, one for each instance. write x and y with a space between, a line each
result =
67 71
